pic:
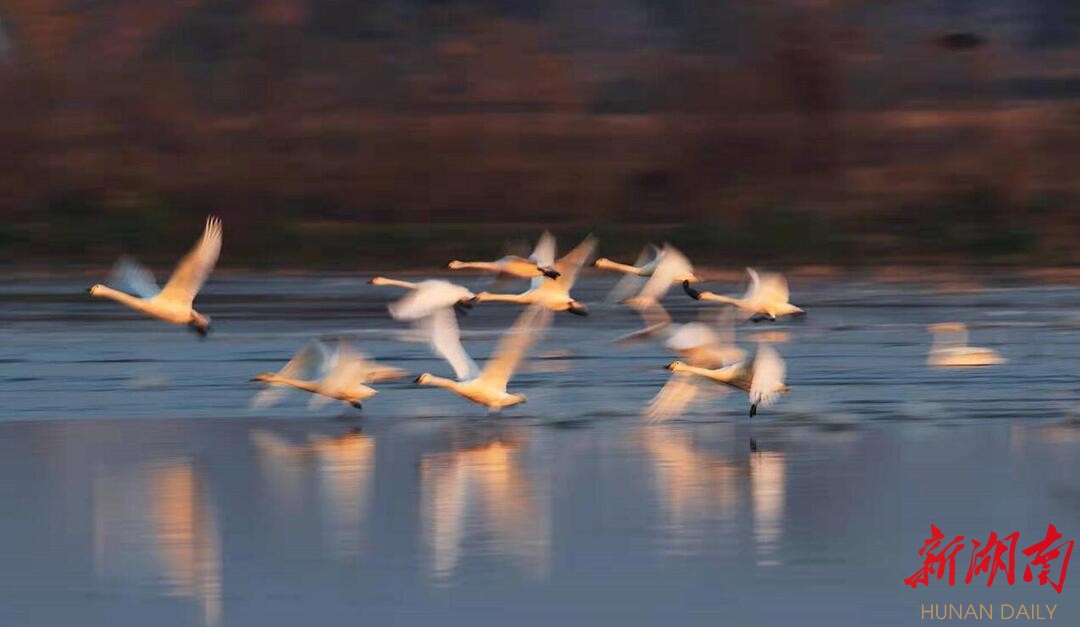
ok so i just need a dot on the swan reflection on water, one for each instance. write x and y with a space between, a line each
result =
155 523
698 490
345 473
482 493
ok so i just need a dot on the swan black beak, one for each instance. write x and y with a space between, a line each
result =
695 294
550 273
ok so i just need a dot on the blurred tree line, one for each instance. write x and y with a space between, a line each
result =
803 130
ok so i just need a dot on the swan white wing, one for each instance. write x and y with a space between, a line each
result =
569 265
190 274
671 264
349 368
445 339
631 284
310 363
544 253
755 282
773 288
134 278
656 319
512 346
672 400
427 298
768 376
692 336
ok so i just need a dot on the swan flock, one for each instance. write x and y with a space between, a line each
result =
707 359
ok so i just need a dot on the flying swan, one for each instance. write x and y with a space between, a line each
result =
485 387
173 303
766 298
762 379
537 265
328 374
552 294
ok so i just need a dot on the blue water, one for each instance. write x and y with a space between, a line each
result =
139 488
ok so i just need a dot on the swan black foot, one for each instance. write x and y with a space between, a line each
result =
753 410
695 294
550 273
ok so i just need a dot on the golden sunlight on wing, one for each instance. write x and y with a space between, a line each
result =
195 267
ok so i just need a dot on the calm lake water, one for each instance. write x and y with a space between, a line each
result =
138 488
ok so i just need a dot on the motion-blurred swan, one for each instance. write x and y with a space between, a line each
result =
762 379
701 344
765 299
950 349
552 294
329 374
662 267
173 303
537 265
426 297
485 387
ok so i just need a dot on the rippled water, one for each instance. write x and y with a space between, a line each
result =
138 488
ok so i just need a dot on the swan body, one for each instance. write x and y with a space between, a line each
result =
661 266
172 303
762 379
552 294
536 265
485 387
767 297
950 349
701 344
329 374
426 297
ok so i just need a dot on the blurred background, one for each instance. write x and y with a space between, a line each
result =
334 133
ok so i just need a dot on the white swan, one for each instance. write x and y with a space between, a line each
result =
552 294
328 374
762 379
173 303
662 267
485 387
425 297
950 349
537 265
701 344
766 298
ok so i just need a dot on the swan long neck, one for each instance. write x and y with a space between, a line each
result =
720 298
725 375
440 382
483 297
103 291
381 280
475 265
608 264
300 384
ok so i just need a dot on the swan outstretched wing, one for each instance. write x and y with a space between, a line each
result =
631 284
445 338
195 267
312 362
678 393
768 376
133 277
428 297
656 319
514 343
670 265
544 253
771 287
569 265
